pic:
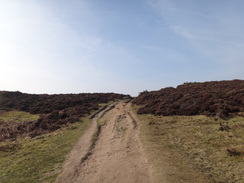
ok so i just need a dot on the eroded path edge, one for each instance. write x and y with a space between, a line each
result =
80 152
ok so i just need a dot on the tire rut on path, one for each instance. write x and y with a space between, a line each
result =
117 155
79 153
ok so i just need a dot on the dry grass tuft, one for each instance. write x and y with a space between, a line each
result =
196 143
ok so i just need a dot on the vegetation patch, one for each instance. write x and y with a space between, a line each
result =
133 120
196 143
38 159
95 136
56 111
215 98
17 116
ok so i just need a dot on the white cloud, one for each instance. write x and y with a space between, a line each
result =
164 6
184 32
194 25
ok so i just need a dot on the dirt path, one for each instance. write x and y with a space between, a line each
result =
117 155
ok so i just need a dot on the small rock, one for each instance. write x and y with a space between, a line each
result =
233 152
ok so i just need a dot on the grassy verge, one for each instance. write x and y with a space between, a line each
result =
133 120
184 144
100 123
95 136
38 159
17 116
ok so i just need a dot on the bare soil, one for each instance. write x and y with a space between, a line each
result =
110 151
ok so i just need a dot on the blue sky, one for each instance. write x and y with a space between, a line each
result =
75 46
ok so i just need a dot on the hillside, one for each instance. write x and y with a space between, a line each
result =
55 110
181 133
68 139
209 98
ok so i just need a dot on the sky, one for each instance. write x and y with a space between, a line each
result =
77 46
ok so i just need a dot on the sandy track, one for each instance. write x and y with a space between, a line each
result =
116 157
71 167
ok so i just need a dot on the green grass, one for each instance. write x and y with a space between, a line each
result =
17 116
102 122
95 135
38 159
198 143
133 121
105 104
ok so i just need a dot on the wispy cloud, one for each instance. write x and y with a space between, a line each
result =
207 31
70 46
185 33
204 35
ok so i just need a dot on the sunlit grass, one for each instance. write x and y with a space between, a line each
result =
38 159
199 141
17 116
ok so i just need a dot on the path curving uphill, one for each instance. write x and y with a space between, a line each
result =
116 155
